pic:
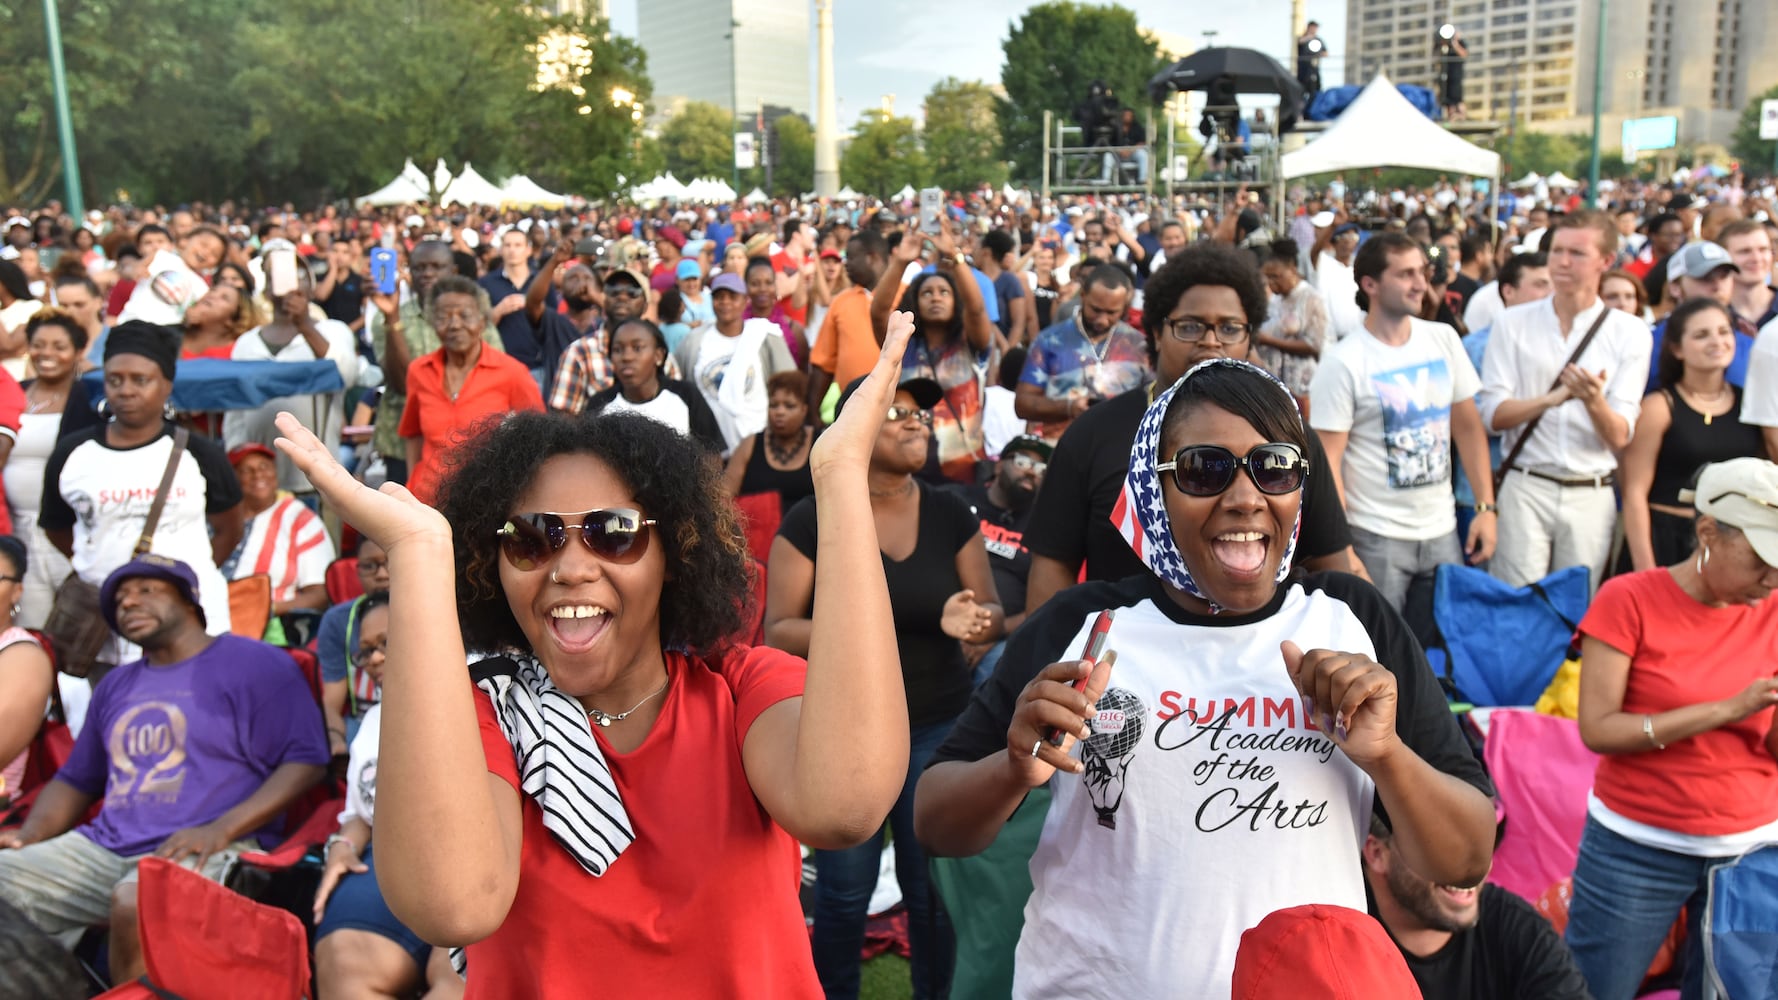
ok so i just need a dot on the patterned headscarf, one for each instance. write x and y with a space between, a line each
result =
1141 512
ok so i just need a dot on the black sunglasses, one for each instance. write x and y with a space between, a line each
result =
616 535
1205 470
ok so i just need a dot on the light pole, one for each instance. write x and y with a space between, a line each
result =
52 26
1598 99
734 104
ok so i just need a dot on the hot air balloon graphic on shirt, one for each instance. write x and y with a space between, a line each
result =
1117 729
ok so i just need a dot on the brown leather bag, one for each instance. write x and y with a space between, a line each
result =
75 627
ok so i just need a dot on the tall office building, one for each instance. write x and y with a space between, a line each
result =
689 52
1699 60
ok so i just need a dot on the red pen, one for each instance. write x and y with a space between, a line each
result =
1095 648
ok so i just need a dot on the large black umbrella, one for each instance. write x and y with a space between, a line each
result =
1229 71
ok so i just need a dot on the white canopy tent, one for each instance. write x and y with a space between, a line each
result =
709 190
407 188
1531 179
846 194
441 175
1561 180
523 192
756 197
1381 129
664 186
470 188
906 193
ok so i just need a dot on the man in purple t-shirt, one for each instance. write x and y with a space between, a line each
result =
197 749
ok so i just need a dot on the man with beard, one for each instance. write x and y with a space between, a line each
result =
1085 359
554 330
193 752
847 344
1004 505
584 368
1466 943
426 263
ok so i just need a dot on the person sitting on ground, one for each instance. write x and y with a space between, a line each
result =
195 751
361 949
346 691
282 539
708 761
639 360
1470 942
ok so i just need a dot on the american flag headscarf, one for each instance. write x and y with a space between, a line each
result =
1140 515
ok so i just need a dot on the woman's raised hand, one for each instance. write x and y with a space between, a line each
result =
964 618
390 516
848 442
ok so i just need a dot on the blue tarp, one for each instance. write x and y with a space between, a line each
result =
1329 103
1741 927
210 385
1474 611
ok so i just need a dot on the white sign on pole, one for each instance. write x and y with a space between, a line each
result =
745 154
1768 119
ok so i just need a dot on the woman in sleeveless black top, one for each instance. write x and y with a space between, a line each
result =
776 460
1046 292
1693 420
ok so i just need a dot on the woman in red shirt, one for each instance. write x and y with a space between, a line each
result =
614 804
457 386
1676 692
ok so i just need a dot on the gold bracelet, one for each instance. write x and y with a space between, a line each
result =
1648 730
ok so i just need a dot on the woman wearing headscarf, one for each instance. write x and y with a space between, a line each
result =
1228 766
100 483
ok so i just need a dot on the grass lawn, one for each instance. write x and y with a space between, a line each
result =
886 978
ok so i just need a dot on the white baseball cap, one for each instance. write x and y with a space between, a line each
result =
1742 493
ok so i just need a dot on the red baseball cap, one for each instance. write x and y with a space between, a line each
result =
250 448
1321 951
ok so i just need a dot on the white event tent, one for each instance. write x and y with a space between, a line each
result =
523 192
470 188
408 187
1381 129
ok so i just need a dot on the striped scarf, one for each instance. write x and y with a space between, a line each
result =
560 765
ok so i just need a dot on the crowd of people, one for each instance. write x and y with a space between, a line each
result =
628 463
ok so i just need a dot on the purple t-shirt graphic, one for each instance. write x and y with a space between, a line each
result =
177 746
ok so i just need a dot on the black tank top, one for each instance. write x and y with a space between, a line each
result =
1690 443
1045 296
760 477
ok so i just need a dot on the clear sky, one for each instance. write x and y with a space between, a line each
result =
903 47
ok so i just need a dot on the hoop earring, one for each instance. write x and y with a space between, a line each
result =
168 411
1702 560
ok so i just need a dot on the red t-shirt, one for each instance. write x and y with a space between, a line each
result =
784 263
704 902
1681 653
497 384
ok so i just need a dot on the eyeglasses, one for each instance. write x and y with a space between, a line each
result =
899 413
364 654
624 292
1190 331
370 567
615 535
1026 463
1206 470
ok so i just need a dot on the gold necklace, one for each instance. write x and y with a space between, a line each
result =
1708 417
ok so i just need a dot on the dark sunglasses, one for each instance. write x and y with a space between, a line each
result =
616 535
1205 470
624 291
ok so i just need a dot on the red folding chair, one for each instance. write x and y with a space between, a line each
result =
342 580
201 941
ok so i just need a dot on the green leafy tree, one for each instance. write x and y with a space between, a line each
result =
962 135
1754 153
794 170
583 136
884 155
1053 54
699 142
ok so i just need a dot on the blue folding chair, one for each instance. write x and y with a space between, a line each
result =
1741 928
1503 645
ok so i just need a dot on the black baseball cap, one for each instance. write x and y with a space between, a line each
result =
1028 442
925 391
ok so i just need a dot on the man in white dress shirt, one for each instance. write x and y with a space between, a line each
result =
1557 508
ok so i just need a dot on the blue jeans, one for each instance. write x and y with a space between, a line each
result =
984 667
843 884
1626 897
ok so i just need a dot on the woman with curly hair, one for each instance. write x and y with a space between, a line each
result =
647 777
